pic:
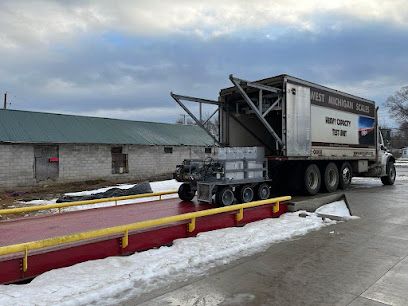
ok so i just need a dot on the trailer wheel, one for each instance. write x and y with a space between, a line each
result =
331 177
312 179
185 192
263 191
245 194
224 196
346 174
389 179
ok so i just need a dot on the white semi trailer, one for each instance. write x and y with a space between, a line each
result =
315 138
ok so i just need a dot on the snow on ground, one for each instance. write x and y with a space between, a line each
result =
39 202
112 280
156 187
402 162
376 181
365 181
338 208
402 175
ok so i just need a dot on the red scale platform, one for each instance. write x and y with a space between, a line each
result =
48 226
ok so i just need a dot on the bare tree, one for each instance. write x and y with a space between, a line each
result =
212 125
399 136
398 104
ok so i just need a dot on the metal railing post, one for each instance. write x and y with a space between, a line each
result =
240 215
25 260
192 225
125 239
275 208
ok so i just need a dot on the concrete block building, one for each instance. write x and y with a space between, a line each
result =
44 148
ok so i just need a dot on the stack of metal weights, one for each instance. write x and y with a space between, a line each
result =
235 159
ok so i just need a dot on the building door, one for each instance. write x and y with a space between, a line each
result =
46 162
119 161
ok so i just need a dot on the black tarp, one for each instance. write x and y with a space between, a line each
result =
110 193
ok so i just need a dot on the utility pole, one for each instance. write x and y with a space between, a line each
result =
5 100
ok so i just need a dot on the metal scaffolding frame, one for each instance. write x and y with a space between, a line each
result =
258 110
199 121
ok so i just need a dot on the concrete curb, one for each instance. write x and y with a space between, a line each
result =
310 204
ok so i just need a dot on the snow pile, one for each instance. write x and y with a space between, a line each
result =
156 187
338 209
39 202
115 279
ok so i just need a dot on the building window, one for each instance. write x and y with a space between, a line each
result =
207 150
168 150
119 161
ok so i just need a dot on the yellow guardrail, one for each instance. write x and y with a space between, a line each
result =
125 229
26 209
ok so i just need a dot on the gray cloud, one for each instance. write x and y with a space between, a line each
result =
84 62
43 22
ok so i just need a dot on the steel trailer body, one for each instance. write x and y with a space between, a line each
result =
310 121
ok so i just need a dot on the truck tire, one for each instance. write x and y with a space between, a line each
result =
312 179
346 174
224 196
331 178
245 194
263 191
389 179
185 192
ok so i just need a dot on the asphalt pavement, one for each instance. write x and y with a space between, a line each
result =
359 262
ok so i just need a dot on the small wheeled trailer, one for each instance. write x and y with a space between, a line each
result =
237 175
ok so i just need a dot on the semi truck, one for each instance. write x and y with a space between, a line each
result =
314 138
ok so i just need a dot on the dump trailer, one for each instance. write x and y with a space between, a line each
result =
315 138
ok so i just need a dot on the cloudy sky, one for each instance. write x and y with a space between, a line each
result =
122 58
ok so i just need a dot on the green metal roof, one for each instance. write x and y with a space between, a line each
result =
34 127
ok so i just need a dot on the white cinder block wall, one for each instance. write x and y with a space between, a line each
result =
91 162
84 162
16 165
